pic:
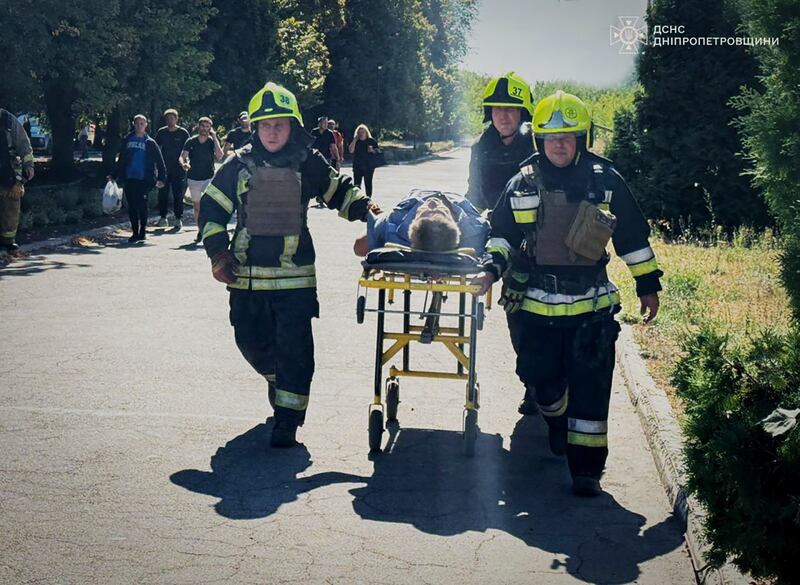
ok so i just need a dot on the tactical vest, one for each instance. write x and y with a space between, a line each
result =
273 204
547 216
499 164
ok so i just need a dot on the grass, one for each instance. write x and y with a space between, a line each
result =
733 285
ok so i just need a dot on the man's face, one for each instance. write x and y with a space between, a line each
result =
431 207
245 122
506 120
139 126
323 124
203 128
172 120
274 133
331 125
560 149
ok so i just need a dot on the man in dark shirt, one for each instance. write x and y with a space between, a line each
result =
198 157
324 140
239 136
170 140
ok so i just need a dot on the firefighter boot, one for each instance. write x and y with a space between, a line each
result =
586 486
527 405
283 434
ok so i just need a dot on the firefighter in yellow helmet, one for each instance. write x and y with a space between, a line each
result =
550 231
268 265
496 156
505 143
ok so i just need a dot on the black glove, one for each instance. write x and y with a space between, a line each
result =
515 285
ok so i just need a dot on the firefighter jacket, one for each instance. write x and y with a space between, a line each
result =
493 163
529 234
13 143
270 193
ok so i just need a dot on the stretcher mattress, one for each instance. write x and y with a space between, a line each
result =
417 262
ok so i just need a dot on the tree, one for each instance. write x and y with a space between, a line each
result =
93 56
770 126
689 148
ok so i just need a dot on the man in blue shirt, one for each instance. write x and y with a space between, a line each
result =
140 167
430 220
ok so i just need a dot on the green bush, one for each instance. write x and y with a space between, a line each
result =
73 216
748 479
40 218
54 205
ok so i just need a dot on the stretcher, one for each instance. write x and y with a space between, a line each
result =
390 271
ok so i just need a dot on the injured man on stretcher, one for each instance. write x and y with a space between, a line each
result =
427 220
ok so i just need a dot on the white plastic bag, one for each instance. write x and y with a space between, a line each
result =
112 198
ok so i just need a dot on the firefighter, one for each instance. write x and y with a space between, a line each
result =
16 167
560 211
496 157
268 265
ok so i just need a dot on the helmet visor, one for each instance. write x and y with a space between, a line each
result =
560 135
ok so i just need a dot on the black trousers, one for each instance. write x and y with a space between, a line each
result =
176 182
366 172
136 196
571 368
273 332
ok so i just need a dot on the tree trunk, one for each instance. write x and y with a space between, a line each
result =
113 140
59 100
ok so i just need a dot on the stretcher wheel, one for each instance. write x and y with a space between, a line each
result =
361 304
392 398
470 432
479 317
375 429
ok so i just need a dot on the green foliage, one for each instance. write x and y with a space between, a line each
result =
748 479
470 113
394 65
81 58
770 125
53 206
688 147
304 59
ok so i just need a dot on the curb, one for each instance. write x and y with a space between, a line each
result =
666 444
62 240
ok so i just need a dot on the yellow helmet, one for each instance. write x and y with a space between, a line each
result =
508 90
561 113
274 101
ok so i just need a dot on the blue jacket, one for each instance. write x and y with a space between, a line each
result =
392 227
153 160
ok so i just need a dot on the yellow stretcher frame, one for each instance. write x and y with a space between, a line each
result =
455 340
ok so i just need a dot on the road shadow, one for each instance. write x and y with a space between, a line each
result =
253 480
423 479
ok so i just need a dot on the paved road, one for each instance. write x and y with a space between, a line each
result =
134 442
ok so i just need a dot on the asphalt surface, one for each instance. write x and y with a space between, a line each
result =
134 441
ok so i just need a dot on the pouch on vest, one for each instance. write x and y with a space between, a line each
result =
590 232
274 202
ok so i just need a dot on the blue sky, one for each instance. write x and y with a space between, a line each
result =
552 39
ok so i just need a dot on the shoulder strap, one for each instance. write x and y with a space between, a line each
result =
601 193
530 173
